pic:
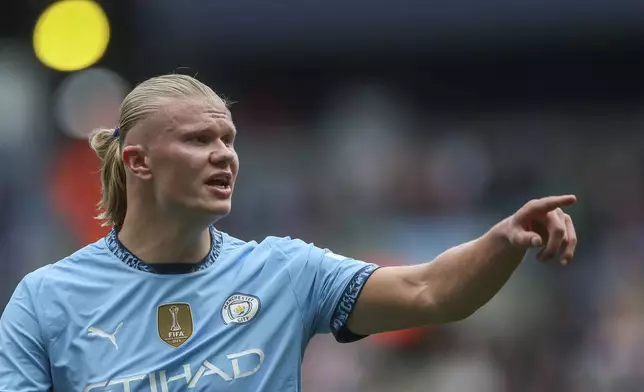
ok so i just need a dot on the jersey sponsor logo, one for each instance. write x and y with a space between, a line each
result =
174 323
242 364
240 308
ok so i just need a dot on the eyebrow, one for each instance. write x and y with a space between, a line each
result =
200 129
229 125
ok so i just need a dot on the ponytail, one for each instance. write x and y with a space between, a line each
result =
113 204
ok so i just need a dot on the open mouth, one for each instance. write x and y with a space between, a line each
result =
220 181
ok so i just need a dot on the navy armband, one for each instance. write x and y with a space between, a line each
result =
347 303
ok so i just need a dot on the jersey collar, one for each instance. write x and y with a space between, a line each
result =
131 260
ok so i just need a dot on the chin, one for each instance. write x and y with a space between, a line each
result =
219 209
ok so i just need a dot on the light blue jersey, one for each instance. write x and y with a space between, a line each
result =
102 320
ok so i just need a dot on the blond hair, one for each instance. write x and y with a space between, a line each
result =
143 101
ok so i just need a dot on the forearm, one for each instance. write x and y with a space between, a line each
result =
466 277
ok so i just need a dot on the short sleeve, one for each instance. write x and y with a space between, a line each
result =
327 287
24 363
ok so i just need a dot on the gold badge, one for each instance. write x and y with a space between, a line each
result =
174 322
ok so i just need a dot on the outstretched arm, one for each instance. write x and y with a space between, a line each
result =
464 278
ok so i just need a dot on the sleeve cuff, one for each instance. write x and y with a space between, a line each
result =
346 305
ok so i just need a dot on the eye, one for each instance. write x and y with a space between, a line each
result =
200 139
228 140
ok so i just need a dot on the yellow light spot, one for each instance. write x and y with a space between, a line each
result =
71 35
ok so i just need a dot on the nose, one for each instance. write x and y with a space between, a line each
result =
222 155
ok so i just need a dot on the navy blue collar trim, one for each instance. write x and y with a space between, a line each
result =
127 257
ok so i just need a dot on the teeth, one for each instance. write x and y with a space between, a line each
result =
221 183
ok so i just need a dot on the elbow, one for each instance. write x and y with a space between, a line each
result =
439 300
449 310
456 314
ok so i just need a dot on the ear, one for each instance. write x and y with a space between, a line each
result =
135 160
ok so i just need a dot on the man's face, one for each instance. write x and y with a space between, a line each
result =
192 162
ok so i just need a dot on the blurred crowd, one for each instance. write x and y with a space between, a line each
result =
373 178
380 169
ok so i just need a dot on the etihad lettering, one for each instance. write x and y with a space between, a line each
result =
160 381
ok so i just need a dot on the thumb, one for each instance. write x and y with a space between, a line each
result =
528 239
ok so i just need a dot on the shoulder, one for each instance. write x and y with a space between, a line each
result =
50 275
274 248
284 244
33 281
288 245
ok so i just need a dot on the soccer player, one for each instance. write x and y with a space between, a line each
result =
166 302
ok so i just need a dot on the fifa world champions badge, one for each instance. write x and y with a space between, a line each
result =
174 323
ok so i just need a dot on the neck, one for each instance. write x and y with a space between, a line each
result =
154 238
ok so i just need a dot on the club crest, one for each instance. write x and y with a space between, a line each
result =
174 323
240 308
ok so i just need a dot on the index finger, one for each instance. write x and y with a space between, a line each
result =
547 204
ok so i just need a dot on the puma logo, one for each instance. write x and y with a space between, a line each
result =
93 331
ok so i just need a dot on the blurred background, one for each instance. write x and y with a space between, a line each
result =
386 131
